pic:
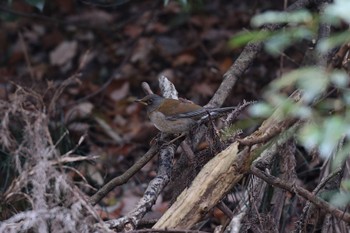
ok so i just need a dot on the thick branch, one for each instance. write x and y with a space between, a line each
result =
215 179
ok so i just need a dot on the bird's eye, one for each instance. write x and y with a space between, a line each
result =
149 101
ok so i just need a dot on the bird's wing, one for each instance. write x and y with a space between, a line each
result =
201 112
193 114
176 107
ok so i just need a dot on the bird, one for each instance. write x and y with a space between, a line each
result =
177 116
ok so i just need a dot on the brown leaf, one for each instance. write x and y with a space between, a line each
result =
63 53
184 59
94 18
204 89
142 50
133 30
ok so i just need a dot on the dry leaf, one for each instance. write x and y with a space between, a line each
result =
63 53
120 93
184 59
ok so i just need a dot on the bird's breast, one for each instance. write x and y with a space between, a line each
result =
161 122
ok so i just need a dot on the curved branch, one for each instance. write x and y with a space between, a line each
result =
122 179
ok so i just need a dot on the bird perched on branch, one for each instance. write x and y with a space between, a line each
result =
177 116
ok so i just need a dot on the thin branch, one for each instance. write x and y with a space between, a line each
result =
269 133
122 179
246 58
294 188
165 231
152 192
224 208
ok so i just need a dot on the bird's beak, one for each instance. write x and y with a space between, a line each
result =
141 101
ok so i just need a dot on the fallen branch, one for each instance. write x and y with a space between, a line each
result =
215 179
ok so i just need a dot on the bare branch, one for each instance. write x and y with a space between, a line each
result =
122 179
294 188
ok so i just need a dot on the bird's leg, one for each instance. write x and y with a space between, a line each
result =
188 152
162 139
156 139
185 147
215 137
215 130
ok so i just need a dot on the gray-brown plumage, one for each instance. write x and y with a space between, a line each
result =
176 116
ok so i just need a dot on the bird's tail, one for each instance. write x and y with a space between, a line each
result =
204 113
217 112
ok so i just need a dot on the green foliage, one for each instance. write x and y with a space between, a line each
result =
333 41
296 18
7 17
245 37
301 25
281 40
324 130
261 109
340 199
37 3
324 134
313 81
337 11
183 2
188 6
326 118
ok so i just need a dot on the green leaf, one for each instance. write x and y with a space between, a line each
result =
341 156
184 2
276 44
339 78
301 111
312 85
261 109
37 3
346 96
334 128
292 77
245 37
310 136
281 40
339 9
340 199
346 185
278 100
296 17
311 80
331 42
